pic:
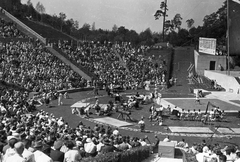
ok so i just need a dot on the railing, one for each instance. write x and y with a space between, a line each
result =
43 40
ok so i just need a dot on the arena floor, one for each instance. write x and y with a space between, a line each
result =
162 131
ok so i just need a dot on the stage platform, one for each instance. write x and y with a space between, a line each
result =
113 122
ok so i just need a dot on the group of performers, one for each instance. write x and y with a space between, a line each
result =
215 114
156 110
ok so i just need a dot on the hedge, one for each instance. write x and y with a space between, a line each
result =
133 155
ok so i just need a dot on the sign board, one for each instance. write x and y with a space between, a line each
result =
207 45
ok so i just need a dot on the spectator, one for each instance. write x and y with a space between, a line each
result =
56 154
71 154
108 147
90 148
28 155
17 157
10 151
39 155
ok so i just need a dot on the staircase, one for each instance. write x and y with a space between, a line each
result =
182 58
121 61
43 34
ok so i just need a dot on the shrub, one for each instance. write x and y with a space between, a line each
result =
133 155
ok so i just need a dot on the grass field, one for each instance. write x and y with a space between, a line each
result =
73 120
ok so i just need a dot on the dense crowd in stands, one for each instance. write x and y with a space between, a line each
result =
116 64
31 66
9 30
46 138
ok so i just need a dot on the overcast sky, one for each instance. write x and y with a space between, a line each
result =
133 14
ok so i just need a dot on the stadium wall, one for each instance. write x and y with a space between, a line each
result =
227 82
203 62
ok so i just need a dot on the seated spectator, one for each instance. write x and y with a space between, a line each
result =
71 154
55 153
18 147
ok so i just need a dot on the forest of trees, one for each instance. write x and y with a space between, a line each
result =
214 26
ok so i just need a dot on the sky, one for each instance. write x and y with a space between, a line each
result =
133 14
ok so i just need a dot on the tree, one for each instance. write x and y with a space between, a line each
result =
215 24
162 12
76 24
132 36
169 26
40 9
29 3
86 26
114 28
190 23
177 22
62 17
93 26
146 37
84 31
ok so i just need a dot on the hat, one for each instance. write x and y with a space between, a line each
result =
88 140
79 143
10 137
237 151
57 144
38 144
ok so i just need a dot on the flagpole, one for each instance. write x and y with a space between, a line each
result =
228 24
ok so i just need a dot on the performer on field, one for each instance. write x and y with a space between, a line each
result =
141 124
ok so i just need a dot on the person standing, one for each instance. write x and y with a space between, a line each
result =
197 98
60 99
141 124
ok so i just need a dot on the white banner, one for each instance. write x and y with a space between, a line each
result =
207 45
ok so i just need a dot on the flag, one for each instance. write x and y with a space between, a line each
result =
233 27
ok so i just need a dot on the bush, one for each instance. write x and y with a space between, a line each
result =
133 155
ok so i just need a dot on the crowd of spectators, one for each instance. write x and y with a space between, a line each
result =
31 66
214 152
116 64
9 30
46 138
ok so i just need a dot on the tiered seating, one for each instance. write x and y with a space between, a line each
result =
31 66
9 30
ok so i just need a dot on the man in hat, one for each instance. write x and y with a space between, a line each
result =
10 151
39 155
55 153
17 157
108 147
90 147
